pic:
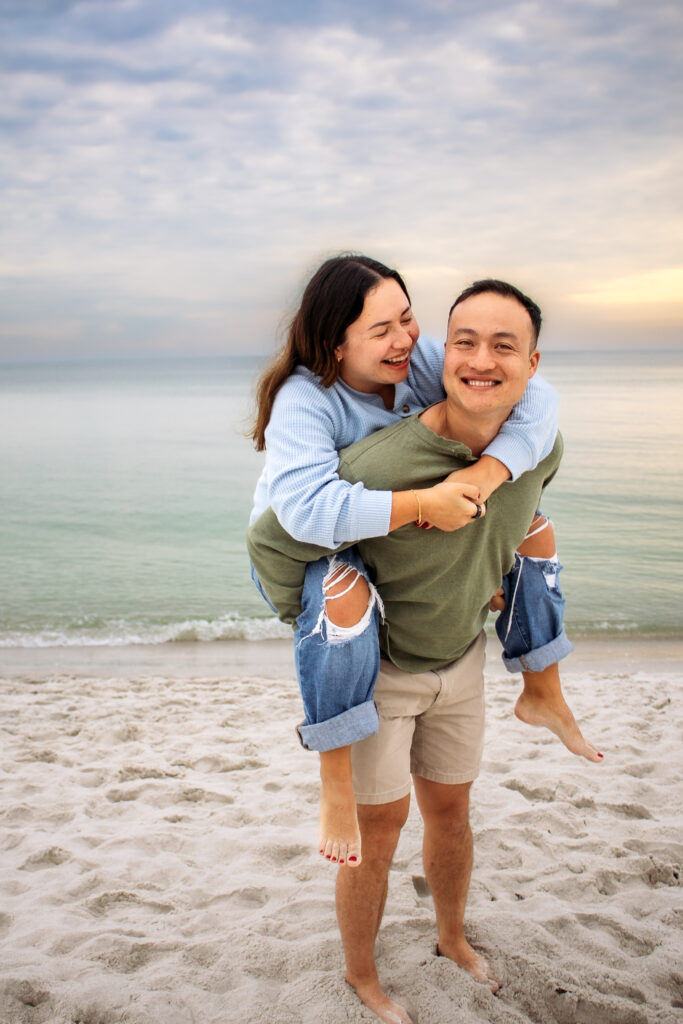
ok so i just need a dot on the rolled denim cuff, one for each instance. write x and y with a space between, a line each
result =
541 657
350 726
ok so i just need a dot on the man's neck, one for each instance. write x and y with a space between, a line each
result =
455 424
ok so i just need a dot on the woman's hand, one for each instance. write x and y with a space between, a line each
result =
450 505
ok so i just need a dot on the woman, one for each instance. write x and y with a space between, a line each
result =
350 366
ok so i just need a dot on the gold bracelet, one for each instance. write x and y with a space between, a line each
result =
418 521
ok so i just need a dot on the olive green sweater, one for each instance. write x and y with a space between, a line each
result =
435 586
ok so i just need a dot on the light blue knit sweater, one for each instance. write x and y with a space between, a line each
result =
310 424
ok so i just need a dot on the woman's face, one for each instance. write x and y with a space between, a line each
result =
377 346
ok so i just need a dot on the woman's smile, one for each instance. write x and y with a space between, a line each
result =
377 346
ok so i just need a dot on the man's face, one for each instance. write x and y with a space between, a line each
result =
488 358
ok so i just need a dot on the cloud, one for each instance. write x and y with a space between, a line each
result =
653 288
194 160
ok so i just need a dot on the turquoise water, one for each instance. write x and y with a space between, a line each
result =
126 487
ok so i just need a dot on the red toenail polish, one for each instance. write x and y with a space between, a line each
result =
601 755
354 859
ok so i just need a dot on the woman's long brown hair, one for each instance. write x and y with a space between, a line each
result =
332 300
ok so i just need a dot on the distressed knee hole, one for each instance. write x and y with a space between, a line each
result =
351 600
347 596
540 539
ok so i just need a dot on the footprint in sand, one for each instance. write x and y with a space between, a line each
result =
91 778
497 767
640 770
25 992
196 795
49 858
108 901
531 793
130 772
248 898
635 811
45 756
628 942
609 986
129 957
662 873
566 1006
284 853
118 796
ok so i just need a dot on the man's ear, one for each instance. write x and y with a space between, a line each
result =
533 362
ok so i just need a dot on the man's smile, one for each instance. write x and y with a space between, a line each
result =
477 382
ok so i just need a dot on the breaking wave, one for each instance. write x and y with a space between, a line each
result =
121 632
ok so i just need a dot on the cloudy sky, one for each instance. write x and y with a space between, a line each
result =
172 170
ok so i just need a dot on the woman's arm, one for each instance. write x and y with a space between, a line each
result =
315 506
528 434
524 440
304 489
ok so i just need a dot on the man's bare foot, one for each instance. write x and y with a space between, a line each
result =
554 713
382 1006
339 834
462 954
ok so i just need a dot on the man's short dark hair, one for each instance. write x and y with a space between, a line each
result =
508 291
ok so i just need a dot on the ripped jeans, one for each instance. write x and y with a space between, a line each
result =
337 667
531 626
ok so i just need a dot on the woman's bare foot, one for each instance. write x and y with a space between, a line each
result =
339 834
553 712
382 1006
462 954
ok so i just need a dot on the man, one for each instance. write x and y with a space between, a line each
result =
436 589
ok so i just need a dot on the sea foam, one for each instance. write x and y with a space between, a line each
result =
119 632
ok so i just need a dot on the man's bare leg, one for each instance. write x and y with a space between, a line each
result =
338 835
447 858
361 895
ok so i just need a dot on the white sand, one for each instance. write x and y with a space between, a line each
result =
157 827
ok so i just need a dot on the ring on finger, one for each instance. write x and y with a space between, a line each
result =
479 513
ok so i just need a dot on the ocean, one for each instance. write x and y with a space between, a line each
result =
125 490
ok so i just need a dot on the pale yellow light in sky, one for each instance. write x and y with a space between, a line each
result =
660 287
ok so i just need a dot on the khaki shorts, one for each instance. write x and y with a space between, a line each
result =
430 724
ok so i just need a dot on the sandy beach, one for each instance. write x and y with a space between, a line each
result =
158 821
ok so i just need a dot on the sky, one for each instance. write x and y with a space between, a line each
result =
172 171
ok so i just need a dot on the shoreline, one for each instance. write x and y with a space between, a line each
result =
274 658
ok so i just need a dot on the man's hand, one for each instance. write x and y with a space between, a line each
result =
498 601
487 474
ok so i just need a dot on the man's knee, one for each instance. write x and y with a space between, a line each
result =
383 822
445 806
